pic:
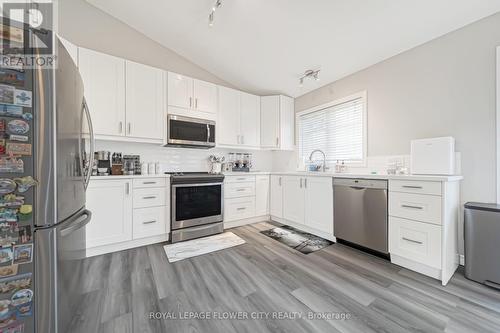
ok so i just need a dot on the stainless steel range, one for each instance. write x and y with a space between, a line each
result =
197 205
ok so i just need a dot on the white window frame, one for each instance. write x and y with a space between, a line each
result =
362 95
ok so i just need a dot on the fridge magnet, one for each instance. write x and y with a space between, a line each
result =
3 147
11 77
8 270
23 253
15 283
6 255
11 110
12 33
15 328
7 185
18 126
11 201
23 98
7 313
9 234
11 165
8 215
23 183
20 138
27 116
22 149
21 300
2 125
25 235
25 212
7 94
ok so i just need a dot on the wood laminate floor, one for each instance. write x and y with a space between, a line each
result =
264 277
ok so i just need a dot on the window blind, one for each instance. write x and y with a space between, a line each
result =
336 130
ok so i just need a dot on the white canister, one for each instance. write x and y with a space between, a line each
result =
151 168
144 168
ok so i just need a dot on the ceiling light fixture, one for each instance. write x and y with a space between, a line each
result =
211 16
309 74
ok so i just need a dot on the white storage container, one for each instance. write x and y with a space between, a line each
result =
434 156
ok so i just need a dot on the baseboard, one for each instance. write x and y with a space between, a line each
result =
239 223
461 259
99 250
415 266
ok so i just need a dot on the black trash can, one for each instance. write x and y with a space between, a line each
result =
482 243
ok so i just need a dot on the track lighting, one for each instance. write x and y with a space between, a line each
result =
211 16
311 74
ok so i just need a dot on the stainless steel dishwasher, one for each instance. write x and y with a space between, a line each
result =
360 212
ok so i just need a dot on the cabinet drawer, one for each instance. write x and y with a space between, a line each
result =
239 208
149 182
149 197
149 222
413 186
236 190
420 207
420 242
239 179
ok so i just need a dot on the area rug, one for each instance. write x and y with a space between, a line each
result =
299 240
200 246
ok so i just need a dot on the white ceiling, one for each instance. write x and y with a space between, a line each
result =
262 46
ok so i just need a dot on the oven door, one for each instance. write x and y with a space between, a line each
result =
196 204
186 131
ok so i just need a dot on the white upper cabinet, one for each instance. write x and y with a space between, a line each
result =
145 100
188 93
205 96
277 122
319 203
249 120
238 121
180 90
104 87
228 123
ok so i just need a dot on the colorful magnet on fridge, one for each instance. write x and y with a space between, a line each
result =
7 185
22 149
11 165
2 125
15 283
27 116
18 126
21 138
25 212
11 201
6 255
8 76
3 148
23 253
11 110
8 215
23 98
7 94
25 183
22 301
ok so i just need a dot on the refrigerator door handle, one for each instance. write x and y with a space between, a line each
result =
79 222
92 143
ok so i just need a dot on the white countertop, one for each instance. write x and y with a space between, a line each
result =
162 175
440 178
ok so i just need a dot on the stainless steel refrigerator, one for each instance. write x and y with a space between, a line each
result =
50 271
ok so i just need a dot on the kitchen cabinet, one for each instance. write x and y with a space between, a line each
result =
110 202
188 93
277 130
276 196
293 199
261 195
319 203
104 87
238 119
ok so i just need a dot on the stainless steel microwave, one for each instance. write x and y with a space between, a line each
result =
190 132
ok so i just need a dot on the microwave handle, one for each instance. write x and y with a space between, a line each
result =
208 133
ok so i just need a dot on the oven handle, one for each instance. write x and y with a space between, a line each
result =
197 184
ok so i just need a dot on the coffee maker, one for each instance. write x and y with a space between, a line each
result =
103 163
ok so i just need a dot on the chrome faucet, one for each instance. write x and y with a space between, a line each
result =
324 158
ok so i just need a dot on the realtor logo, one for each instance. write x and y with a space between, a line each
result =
27 33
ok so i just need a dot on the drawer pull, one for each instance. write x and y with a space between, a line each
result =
412 186
240 178
151 197
241 208
148 183
240 190
412 241
149 222
412 207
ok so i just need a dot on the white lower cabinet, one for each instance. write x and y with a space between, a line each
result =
319 203
127 213
293 199
246 197
261 195
276 196
110 202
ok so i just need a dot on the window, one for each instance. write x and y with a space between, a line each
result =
337 128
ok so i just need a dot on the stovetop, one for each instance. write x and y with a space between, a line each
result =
195 177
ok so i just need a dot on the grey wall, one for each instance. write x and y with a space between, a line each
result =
87 26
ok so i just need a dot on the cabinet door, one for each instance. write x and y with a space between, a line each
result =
269 121
287 123
110 202
180 91
145 101
228 124
104 88
249 120
293 199
261 195
319 204
276 199
205 96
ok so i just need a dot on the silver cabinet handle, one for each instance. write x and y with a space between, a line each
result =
127 188
190 101
412 186
277 142
279 179
129 127
149 222
196 103
240 178
148 183
238 139
412 207
120 127
305 182
150 197
241 208
412 241
300 182
242 139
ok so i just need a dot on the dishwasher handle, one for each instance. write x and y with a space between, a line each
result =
357 187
